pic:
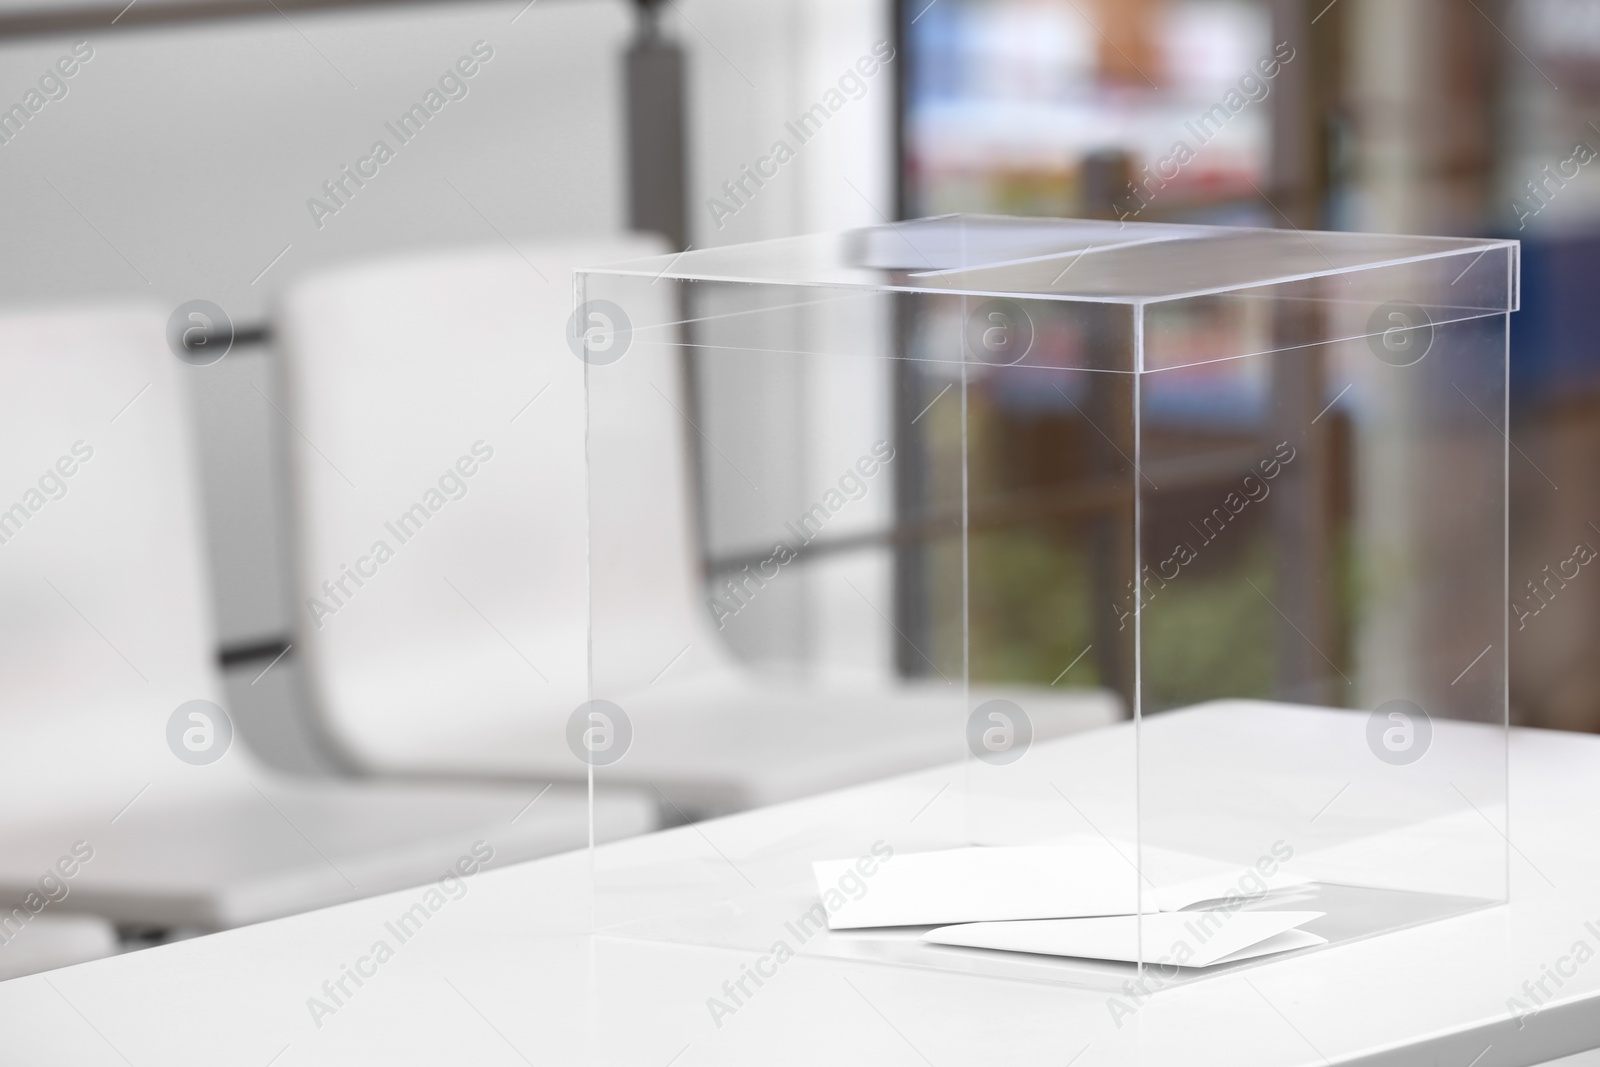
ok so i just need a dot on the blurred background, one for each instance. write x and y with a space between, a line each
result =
1433 117
167 159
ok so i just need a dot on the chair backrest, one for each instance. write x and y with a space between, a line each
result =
439 476
107 627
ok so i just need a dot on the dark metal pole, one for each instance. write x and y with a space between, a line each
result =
657 158
912 625
1302 515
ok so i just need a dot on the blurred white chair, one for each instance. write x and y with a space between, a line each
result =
107 631
46 942
402 376
466 652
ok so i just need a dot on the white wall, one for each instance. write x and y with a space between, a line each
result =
194 151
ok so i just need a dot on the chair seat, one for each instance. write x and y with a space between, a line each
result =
259 849
724 741
45 942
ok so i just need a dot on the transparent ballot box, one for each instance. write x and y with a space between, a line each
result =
1049 598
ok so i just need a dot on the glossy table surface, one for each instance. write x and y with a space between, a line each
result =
502 970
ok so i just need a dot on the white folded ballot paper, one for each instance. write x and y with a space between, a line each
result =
1179 938
1074 877
1075 896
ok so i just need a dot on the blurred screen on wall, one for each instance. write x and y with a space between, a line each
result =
1008 98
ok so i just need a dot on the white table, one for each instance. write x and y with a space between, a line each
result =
507 974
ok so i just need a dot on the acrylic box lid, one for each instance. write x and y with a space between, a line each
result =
1094 260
